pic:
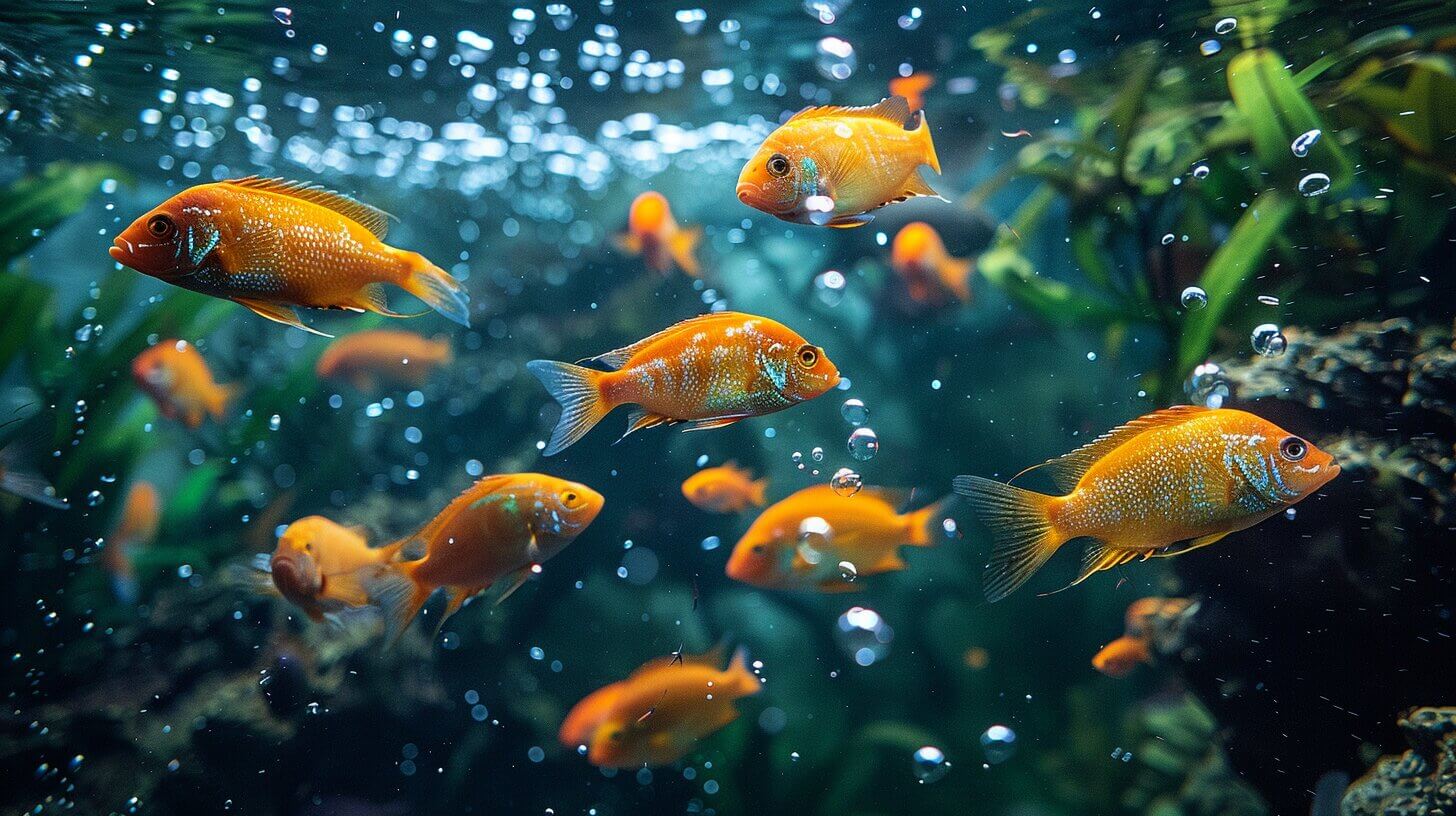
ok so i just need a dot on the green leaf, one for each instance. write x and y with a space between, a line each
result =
1268 98
21 300
191 494
1229 272
37 203
1050 300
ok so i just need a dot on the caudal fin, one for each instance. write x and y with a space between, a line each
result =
758 492
684 248
925 524
438 290
219 399
1023 532
927 145
742 679
955 273
398 594
18 476
578 390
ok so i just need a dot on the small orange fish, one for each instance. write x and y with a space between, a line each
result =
135 527
803 541
1164 484
1121 656
19 477
654 234
272 244
176 377
320 565
831 166
498 530
368 359
658 715
712 371
919 257
724 489
913 88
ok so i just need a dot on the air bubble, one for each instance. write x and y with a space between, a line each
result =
846 482
1314 184
1303 142
1225 26
1200 171
863 444
1194 298
930 765
835 59
998 744
854 412
847 571
284 15
1268 340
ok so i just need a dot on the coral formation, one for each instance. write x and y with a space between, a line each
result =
1419 782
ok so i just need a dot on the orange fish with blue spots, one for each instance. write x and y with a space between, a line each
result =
1164 484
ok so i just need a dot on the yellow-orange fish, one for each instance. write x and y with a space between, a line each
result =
724 489
369 359
498 530
1121 656
1161 485
806 540
712 371
272 244
831 166
321 566
913 88
919 257
660 713
135 527
176 377
654 234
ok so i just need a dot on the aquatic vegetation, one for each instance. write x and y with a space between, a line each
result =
1419 782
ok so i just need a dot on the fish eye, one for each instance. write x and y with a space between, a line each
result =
758 549
778 165
808 356
616 736
308 546
161 226
569 498
1292 448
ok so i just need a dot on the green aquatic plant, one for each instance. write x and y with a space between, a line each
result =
1230 172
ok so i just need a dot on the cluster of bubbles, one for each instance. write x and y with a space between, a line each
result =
864 635
930 764
826 11
1207 386
834 58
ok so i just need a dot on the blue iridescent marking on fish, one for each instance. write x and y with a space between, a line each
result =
808 182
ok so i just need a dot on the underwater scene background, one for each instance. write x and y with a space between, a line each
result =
1226 204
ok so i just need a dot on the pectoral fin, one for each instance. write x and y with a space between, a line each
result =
850 221
277 313
709 424
1188 546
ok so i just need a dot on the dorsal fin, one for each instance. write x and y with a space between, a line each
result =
891 109
371 218
1067 470
616 358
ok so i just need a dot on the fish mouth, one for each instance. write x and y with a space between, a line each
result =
121 250
745 193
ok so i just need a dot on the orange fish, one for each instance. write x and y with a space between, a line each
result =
712 371
135 527
499 529
272 244
918 256
368 358
1161 485
321 566
660 713
831 166
176 377
724 489
805 540
654 234
913 88
1121 656
19 477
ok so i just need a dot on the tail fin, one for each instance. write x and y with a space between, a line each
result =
628 243
925 523
397 593
928 144
955 273
757 493
741 678
438 290
18 476
578 390
1024 536
684 247
219 399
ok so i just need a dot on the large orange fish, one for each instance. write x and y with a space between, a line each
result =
660 713
831 166
272 244
176 377
498 530
654 234
724 489
805 540
712 371
919 257
1161 485
913 88
135 527
368 359
321 566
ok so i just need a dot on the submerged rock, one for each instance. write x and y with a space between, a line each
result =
1419 782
